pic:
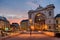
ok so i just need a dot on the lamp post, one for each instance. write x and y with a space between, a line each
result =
39 22
30 20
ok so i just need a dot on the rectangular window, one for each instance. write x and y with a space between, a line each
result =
49 21
49 13
56 21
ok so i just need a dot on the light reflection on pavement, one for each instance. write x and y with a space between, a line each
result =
31 37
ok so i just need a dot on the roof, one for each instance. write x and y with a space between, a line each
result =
51 5
58 15
14 25
24 20
3 19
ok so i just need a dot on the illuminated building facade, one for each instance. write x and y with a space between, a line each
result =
4 23
57 18
25 25
42 18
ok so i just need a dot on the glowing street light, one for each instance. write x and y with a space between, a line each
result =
30 26
39 19
59 26
6 29
30 20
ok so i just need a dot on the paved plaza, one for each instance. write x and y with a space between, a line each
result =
31 37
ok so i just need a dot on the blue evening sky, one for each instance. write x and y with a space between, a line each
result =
20 8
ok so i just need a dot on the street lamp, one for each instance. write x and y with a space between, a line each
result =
39 22
30 25
39 19
30 20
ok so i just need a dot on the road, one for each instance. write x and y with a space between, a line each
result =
31 37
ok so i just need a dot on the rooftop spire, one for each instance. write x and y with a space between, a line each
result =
39 7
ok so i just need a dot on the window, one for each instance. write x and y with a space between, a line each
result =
56 21
49 21
49 13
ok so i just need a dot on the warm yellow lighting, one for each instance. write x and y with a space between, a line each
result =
30 20
59 26
32 27
39 19
6 29
46 27
38 14
39 31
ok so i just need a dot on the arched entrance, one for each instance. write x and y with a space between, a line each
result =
39 22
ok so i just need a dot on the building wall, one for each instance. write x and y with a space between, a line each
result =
58 23
25 25
1 24
4 24
49 16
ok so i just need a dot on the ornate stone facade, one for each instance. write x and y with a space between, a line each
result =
43 18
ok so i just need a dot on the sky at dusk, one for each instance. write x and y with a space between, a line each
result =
20 8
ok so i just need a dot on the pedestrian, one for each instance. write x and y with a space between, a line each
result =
30 32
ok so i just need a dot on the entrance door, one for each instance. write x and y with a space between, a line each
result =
39 22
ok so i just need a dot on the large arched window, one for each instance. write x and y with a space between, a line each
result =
39 18
39 21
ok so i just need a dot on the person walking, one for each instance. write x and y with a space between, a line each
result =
30 31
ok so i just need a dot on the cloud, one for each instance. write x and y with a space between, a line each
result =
9 13
32 4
